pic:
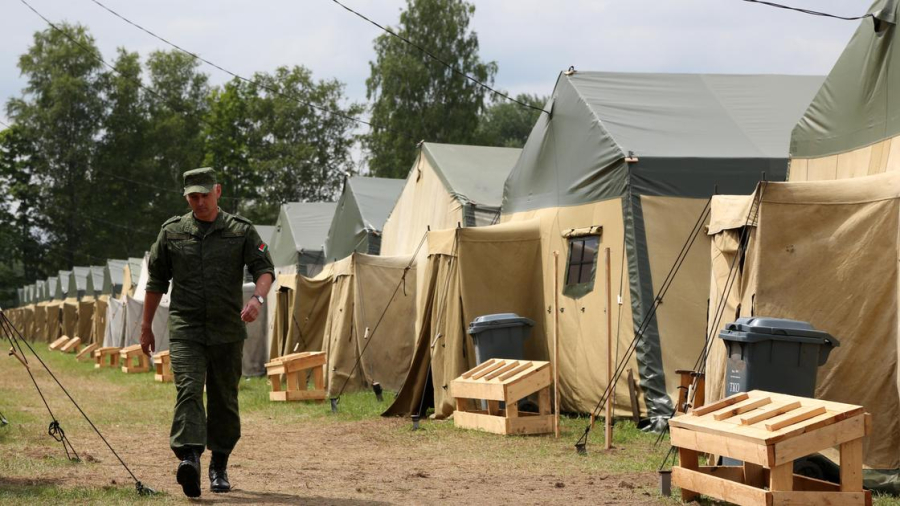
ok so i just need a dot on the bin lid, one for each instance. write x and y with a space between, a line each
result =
498 321
762 328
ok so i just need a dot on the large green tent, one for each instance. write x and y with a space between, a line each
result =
299 239
627 161
113 277
53 288
361 211
851 128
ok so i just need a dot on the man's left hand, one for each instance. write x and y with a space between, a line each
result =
251 311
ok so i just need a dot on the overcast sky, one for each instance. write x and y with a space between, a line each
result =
531 40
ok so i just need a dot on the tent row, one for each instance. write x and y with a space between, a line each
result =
612 179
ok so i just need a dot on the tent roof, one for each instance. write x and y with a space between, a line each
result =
265 232
116 270
309 222
375 197
688 132
98 274
81 277
64 283
853 108
52 282
472 173
134 268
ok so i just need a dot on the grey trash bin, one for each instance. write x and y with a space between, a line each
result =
500 336
775 355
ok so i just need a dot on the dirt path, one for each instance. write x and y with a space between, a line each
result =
286 459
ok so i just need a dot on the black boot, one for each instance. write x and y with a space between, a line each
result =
188 474
218 473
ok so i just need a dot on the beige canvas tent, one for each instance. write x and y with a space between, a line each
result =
470 272
369 335
825 252
627 161
301 312
449 185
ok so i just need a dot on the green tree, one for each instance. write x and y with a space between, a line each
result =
21 263
416 98
270 146
60 114
124 220
176 113
507 124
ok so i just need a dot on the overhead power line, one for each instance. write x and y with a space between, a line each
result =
807 11
437 59
233 74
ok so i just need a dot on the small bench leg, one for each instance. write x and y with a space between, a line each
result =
688 459
851 466
754 475
781 478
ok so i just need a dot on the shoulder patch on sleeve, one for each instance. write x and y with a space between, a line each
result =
171 220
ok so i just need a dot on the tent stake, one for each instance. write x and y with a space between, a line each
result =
609 352
376 387
556 343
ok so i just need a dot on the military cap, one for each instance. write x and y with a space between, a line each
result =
199 180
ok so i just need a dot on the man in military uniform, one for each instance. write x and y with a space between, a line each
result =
204 253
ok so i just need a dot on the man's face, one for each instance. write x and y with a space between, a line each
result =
205 205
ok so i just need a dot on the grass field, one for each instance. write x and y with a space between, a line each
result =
352 457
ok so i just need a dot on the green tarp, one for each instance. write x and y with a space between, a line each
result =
856 106
53 288
113 277
361 211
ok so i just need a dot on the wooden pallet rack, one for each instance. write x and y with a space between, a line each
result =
294 368
107 356
56 345
133 359
501 380
87 352
163 364
72 346
767 432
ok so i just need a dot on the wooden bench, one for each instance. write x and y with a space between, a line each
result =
107 357
767 432
87 352
502 380
72 346
133 359
163 363
294 368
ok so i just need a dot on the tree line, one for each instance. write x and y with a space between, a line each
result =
91 164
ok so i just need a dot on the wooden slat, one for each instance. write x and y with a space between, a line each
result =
728 401
729 447
820 498
718 488
479 367
511 365
793 417
516 371
819 439
769 412
741 407
487 370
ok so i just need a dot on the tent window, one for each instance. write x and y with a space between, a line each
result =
582 260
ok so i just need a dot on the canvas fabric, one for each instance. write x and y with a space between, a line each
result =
114 332
255 355
101 307
54 317
826 253
70 317
85 326
40 322
301 312
361 211
369 335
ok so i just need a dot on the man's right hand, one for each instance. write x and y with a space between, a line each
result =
148 342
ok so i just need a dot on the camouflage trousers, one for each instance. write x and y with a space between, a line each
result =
218 367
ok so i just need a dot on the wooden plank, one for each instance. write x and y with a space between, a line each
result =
754 475
633 397
815 423
302 363
493 408
851 465
741 407
528 383
523 425
793 417
297 395
721 445
487 370
781 498
506 368
728 401
85 354
769 412
805 483
730 473
811 442
516 371
472 390
688 459
479 421
781 477
487 363
718 488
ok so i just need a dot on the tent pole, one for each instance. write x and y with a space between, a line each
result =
609 352
556 343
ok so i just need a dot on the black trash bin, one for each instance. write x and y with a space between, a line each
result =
775 355
500 336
